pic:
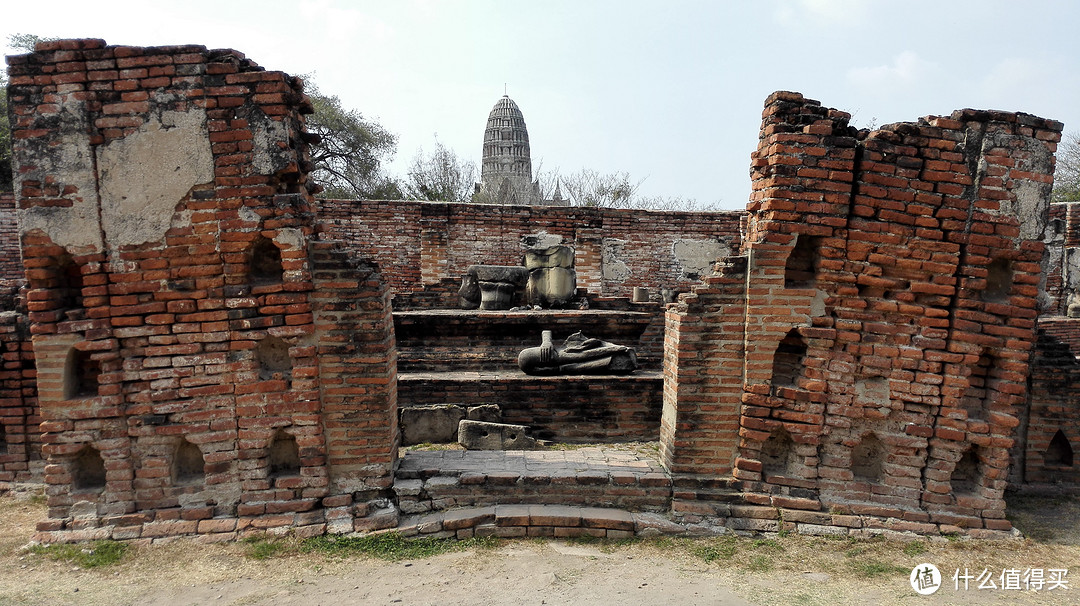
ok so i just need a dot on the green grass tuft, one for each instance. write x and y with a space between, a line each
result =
914 548
760 563
264 547
391 546
769 544
723 549
84 555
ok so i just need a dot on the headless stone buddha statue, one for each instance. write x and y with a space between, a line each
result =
577 355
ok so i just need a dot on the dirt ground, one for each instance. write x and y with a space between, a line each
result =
771 570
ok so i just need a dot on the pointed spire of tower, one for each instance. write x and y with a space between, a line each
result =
507 157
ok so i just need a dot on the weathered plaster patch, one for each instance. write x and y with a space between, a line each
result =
290 237
1029 206
874 390
696 257
613 267
1031 209
71 163
271 152
249 214
146 174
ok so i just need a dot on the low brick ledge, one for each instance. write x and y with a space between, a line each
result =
561 521
552 521
600 477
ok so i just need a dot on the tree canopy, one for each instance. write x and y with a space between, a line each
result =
440 176
1067 173
6 183
351 152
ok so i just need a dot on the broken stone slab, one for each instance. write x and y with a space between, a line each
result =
509 274
479 435
437 424
489 413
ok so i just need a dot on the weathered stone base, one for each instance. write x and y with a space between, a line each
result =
331 515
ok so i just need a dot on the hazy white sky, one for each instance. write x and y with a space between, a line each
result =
668 91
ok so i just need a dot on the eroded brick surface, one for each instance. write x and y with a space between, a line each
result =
868 350
205 359
192 345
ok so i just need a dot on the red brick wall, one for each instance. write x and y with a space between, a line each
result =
889 299
11 267
561 409
1055 391
417 244
20 452
169 370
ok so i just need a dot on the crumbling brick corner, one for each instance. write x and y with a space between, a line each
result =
207 363
872 340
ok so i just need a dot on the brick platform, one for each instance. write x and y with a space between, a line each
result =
454 339
591 476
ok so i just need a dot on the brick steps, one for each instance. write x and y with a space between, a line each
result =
434 481
554 521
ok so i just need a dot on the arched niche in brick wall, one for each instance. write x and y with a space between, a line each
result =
67 284
1059 453
977 395
272 356
88 470
188 465
999 281
284 456
967 474
788 360
264 262
777 454
81 374
800 270
868 459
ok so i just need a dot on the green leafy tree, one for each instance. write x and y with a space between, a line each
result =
440 176
6 183
351 151
1067 173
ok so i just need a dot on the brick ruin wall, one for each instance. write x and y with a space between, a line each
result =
11 267
20 438
206 359
214 356
867 353
425 247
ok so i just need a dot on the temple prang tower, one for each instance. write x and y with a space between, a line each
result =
506 169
